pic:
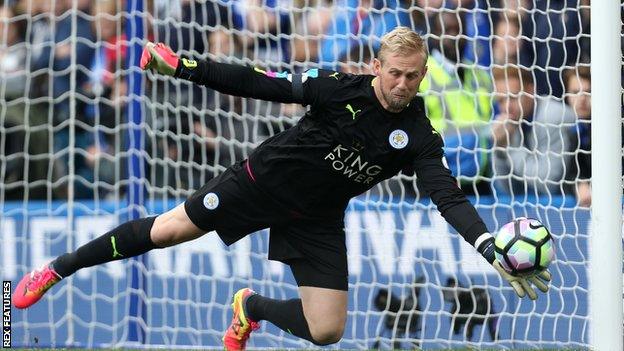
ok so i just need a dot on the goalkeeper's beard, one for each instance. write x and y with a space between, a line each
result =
395 103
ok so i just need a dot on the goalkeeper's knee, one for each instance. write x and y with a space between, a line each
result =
174 227
326 333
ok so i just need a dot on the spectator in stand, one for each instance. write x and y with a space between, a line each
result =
555 29
356 27
585 39
506 43
191 26
517 9
40 38
311 19
187 136
476 26
106 109
12 116
35 31
106 85
63 53
61 57
457 99
532 139
578 97
422 12
356 67
12 59
266 31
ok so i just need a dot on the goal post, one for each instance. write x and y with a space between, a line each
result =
606 249
135 28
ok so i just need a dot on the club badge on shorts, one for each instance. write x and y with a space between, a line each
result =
398 139
211 201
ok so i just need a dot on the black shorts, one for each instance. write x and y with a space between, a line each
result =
234 206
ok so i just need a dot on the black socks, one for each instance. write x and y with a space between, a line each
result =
285 314
127 240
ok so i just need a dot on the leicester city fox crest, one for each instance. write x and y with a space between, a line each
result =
398 139
211 201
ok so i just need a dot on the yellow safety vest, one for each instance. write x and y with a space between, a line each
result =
455 107
449 102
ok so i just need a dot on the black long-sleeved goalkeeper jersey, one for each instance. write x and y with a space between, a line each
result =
346 143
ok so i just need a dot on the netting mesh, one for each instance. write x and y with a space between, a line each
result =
507 87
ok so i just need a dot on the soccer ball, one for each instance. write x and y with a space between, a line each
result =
524 246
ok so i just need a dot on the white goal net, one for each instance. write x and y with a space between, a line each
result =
87 141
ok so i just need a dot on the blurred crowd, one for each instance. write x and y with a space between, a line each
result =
508 86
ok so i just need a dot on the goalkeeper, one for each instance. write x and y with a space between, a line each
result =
360 130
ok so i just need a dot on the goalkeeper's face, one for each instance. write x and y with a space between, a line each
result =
398 78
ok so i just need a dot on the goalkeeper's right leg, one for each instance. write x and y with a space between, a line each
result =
127 240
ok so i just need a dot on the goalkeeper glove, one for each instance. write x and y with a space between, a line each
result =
521 284
159 57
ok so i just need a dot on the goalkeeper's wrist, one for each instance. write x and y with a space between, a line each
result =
485 245
187 69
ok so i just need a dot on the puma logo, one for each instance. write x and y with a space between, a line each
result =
115 252
189 63
350 109
334 75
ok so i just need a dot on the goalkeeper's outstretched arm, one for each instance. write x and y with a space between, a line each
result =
237 80
436 179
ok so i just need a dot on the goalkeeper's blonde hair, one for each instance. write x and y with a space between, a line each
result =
402 41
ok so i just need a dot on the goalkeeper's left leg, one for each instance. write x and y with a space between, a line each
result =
319 316
130 239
